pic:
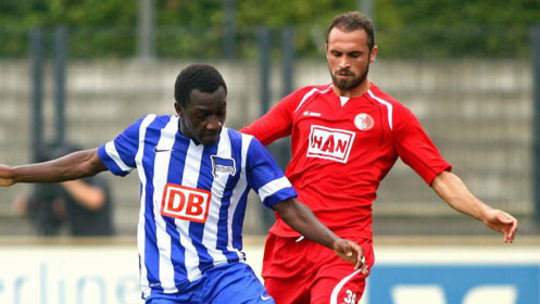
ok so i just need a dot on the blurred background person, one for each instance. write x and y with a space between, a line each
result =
82 207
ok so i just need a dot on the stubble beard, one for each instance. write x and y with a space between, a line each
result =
349 84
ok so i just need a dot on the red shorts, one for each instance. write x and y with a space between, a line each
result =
300 272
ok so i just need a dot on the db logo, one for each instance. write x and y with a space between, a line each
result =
185 203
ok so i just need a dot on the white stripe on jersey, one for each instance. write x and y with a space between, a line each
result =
141 237
190 177
388 106
111 151
159 272
210 233
161 164
313 91
273 186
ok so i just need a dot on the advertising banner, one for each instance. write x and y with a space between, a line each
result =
108 274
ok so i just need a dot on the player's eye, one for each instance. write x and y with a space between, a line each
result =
201 115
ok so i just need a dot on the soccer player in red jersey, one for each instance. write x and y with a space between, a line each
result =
345 137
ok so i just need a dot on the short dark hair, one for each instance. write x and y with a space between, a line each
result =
203 77
352 21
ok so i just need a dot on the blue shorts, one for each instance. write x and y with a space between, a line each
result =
229 283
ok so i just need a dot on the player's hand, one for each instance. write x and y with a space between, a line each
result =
351 252
5 176
503 222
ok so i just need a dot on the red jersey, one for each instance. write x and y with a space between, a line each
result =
341 150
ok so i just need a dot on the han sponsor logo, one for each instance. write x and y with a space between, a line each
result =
222 165
185 203
328 143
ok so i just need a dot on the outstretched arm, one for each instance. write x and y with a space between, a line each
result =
452 190
302 219
72 166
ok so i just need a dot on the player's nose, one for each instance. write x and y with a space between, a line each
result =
214 123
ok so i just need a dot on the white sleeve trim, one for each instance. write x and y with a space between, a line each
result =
113 154
273 187
308 94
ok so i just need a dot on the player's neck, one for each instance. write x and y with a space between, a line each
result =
358 91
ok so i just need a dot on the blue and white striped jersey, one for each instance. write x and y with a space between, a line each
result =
193 197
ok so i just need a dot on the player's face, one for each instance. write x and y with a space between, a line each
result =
348 58
204 116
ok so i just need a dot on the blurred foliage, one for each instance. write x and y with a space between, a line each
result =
404 28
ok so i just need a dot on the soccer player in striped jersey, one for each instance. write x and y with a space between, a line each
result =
195 175
345 137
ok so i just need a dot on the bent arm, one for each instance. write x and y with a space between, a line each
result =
453 191
302 219
72 166
89 196
274 124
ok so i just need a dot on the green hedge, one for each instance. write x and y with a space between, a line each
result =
404 28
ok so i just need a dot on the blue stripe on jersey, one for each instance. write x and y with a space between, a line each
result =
223 230
223 241
238 220
175 251
196 229
280 196
175 175
109 162
127 148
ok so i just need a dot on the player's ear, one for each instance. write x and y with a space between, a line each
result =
373 54
179 109
326 50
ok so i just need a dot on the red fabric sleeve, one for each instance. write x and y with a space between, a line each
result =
276 123
415 147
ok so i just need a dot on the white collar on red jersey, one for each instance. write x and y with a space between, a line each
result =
343 100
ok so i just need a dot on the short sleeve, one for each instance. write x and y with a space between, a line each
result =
415 147
118 155
265 177
276 123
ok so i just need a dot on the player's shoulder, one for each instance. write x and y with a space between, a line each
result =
150 117
377 93
150 122
312 89
162 117
244 142
235 135
400 112
385 99
305 94
157 120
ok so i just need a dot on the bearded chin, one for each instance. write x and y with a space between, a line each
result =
347 85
